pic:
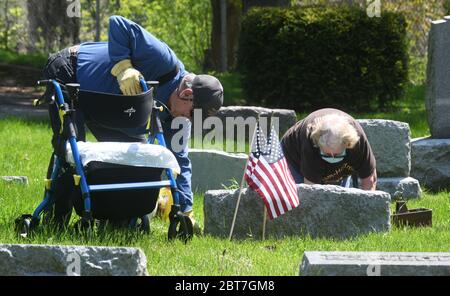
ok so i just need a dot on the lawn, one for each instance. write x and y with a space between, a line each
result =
25 149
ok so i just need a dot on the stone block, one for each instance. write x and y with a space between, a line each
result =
375 264
213 169
400 188
391 144
430 163
437 97
324 211
50 260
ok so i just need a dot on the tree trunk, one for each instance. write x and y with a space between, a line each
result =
97 20
5 34
49 26
233 26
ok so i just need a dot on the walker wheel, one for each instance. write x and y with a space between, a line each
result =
24 225
145 224
181 227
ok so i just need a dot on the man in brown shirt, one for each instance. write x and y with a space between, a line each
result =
327 147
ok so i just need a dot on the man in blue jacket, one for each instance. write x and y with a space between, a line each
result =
116 67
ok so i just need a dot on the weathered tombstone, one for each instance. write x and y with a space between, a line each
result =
375 264
437 100
391 144
431 162
212 169
430 156
23 260
400 188
15 179
324 211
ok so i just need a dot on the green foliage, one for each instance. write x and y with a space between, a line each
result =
307 58
185 25
12 26
36 60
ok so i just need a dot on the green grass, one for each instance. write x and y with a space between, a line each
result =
25 149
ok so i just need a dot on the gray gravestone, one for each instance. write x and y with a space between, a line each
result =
15 179
212 169
391 144
400 188
437 100
431 162
324 211
23 260
375 264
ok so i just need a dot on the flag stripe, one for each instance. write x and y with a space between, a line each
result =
281 195
291 184
269 187
255 183
289 194
291 181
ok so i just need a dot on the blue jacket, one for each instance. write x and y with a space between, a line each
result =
150 56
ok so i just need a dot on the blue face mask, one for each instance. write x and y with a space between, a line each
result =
335 159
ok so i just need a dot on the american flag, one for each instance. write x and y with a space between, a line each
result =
268 174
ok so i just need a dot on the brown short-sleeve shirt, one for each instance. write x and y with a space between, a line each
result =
300 152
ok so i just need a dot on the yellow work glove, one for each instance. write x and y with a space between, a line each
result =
128 77
195 226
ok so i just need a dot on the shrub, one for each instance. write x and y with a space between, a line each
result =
308 58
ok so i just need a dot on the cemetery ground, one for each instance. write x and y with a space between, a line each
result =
25 150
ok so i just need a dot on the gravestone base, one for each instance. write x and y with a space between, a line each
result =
375 264
47 260
324 211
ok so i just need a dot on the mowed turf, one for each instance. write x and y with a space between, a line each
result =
25 150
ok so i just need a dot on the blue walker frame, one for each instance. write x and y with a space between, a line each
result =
175 215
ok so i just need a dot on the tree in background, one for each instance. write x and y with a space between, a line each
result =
13 25
96 12
418 13
234 12
185 25
50 27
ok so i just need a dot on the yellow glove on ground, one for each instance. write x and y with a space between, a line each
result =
127 77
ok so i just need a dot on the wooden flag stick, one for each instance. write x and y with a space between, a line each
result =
240 187
264 223
237 204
